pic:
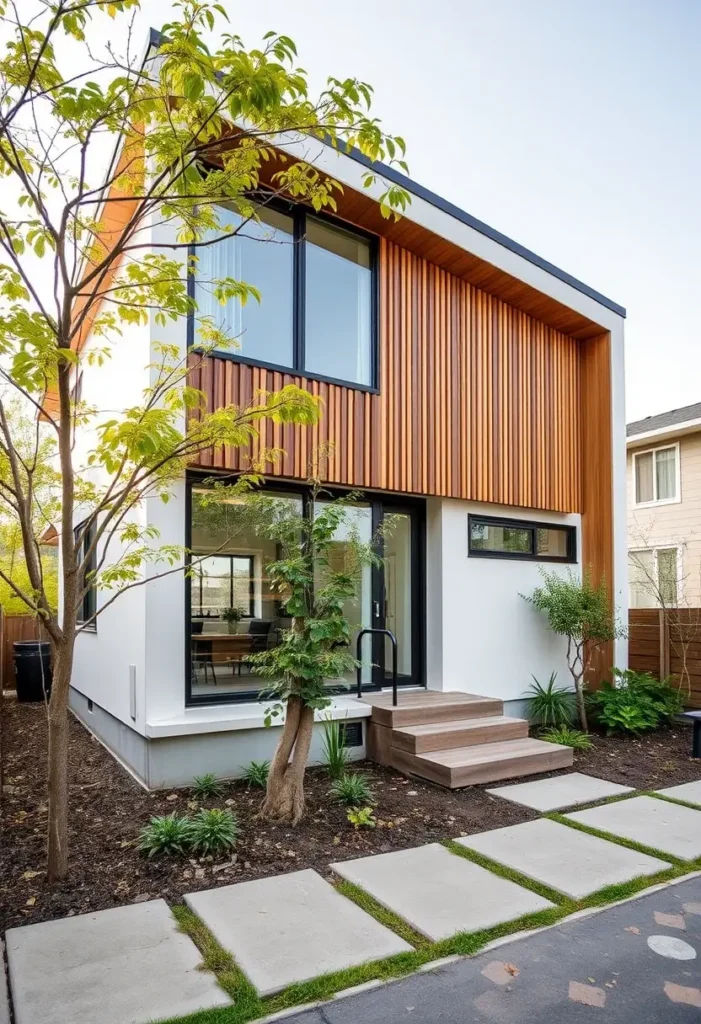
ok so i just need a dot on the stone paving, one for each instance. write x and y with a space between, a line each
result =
292 928
689 791
439 893
129 965
570 861
650 822
571 790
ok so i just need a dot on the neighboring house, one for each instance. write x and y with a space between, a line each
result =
664 509
470 388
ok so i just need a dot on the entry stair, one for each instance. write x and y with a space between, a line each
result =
456 739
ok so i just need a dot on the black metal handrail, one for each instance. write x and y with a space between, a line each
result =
383 632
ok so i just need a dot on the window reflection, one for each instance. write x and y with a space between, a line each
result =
230 559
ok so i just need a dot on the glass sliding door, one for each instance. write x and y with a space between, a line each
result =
398 595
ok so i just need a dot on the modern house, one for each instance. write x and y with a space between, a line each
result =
470 389
664 509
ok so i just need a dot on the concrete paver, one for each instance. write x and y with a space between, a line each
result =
439 893
292 928
689 791
570 861
561 791
555 976
650 822
129 965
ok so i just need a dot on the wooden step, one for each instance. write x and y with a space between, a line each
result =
422 706
464 732
488 762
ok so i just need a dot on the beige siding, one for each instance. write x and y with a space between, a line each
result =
676 524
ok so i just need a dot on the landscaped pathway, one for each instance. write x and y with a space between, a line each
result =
132 965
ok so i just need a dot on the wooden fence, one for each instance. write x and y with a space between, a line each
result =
12 628
667 643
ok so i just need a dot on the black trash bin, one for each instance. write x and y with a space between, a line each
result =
32 669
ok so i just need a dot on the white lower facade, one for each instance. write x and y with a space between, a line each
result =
479 635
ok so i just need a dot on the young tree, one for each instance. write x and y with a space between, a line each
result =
194 125
316 575
582 613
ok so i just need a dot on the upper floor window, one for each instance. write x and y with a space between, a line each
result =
316 281
656 475
490 537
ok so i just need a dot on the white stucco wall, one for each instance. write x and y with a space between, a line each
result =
101 670
482 636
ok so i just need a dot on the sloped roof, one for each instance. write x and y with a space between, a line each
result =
665 419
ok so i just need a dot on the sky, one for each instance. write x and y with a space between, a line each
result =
570 125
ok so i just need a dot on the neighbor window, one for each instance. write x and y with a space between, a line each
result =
88 603
510 538
316 280
656 475
654 577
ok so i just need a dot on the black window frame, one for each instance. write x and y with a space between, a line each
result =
251 613
203 477
88 604
299 215
533 526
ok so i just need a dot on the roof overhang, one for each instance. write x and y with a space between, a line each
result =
669 433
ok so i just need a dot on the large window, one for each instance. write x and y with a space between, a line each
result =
656 476
230 555
489 537
88 603
316 281
654 577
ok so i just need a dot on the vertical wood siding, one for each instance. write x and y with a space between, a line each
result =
477 399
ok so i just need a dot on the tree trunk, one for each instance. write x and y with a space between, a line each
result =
284 798
57 840
581 704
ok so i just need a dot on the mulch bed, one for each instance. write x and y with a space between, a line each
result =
108 809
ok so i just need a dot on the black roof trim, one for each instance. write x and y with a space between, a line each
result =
397 178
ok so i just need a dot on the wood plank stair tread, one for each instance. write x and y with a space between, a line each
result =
457 724
486 753
458 732
486 762
429 706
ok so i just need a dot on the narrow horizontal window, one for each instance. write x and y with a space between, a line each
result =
489 537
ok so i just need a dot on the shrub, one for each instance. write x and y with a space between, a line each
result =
336 755
213 831
666 697
256 773
169 834
637 704
567 737
580 611
361 817
550 705
352 789
206 785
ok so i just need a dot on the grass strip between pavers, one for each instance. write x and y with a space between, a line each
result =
510 874
248 1006
673 800
630 844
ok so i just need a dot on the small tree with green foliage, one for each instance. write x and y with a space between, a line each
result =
315 576
193 127
581 612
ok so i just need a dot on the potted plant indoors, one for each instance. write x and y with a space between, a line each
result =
232 617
